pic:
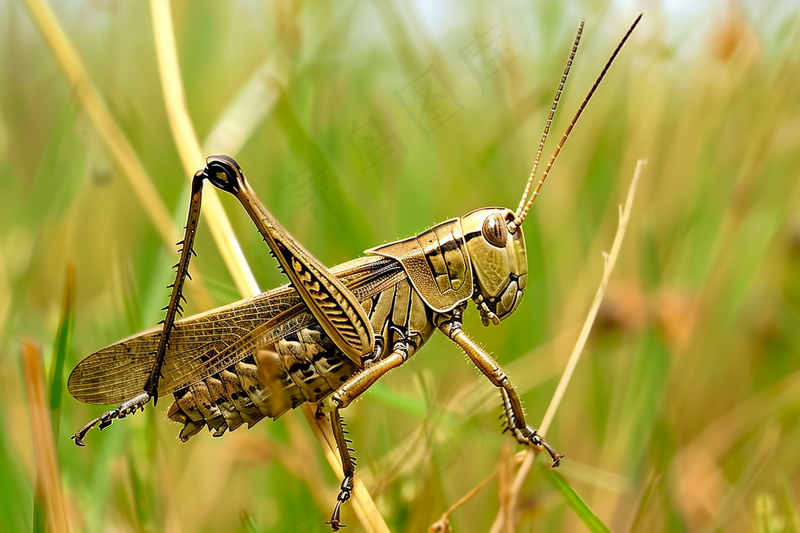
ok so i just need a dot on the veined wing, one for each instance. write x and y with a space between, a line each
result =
203 345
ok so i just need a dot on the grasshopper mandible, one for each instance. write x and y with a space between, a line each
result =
329 334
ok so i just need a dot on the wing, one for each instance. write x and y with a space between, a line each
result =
203 345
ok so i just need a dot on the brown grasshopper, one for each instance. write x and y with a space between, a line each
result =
330 334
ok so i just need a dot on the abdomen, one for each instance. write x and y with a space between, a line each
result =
303 367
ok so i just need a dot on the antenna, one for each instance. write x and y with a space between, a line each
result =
522 212
549 121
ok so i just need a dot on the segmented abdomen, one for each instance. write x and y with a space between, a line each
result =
302 367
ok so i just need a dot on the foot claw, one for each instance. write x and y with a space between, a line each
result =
335 525
105 420
344 495
536 440
334 521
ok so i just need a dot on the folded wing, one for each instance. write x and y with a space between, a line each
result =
205 344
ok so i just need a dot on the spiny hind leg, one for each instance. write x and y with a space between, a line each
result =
334 306
341 398
173 309
451 326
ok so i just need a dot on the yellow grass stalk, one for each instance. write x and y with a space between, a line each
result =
189 148
108 129
610 260
192 159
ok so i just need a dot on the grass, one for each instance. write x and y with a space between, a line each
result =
681 415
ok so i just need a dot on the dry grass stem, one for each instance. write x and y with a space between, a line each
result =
504 489
108 130
443 524
610 260
48 479
363 505
189 148
192 159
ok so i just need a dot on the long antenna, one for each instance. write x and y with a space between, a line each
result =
549 121
520 216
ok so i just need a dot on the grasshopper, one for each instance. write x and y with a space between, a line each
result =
329 334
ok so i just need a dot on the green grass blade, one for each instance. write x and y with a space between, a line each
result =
638 516
61 348
249 524
573 500
142 504
39 512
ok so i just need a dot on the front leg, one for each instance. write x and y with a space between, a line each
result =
451 326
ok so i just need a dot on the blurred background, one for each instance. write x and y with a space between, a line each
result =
359 123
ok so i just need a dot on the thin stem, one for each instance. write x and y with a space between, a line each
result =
192 158
504 489
189 148
610 260
108 130
439 525
443 524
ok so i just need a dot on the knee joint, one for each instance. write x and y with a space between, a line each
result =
499 378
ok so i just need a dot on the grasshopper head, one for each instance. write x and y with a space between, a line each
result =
494 235
499 261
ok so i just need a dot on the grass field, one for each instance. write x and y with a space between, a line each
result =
359 123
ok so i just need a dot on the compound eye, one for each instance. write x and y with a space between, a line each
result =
494 230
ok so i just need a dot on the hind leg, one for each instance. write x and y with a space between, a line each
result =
341 398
